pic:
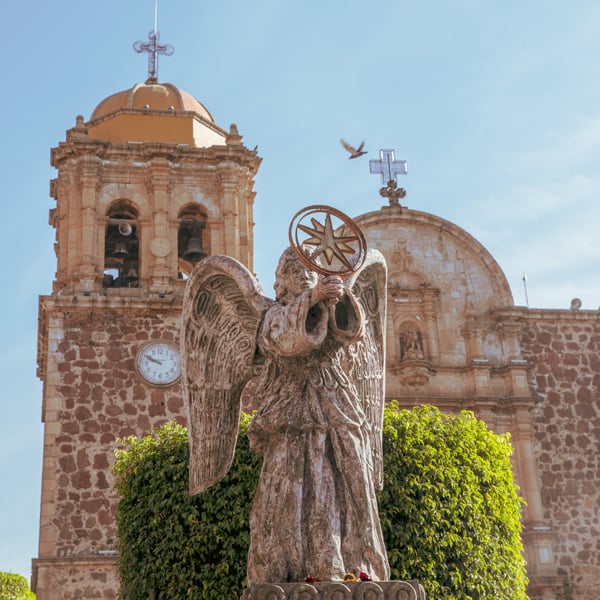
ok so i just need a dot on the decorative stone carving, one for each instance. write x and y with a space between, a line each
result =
414 373
411 345
334 590
402 275
413 369
315 359
160 246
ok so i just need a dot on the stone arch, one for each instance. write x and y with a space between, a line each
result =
193 244
438 271
121 265
438 250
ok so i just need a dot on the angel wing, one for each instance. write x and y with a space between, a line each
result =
368 360
222 308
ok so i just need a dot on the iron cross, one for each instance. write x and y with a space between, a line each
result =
153 48
388 166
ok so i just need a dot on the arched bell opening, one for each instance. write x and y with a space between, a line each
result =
121 247
191 243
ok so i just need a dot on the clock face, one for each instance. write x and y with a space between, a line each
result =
159 363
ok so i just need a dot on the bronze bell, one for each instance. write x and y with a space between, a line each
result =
194 250
131 275
120 250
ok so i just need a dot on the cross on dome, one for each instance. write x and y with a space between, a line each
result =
153 48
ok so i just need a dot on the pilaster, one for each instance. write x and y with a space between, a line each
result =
228 178
158 243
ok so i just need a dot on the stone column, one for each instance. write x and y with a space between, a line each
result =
246 225
87 271
227 173
156 239
49 339
509 334
474 335
432 351
538 537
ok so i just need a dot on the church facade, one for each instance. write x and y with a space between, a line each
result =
149 185
456 340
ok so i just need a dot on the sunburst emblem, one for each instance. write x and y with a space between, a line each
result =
335 243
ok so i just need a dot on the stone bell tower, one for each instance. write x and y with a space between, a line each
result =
146 187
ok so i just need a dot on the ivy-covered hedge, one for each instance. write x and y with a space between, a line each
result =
172 545
449 507
449 510
14 587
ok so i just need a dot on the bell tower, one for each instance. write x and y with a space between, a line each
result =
145 188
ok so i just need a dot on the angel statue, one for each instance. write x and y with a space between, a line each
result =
314 361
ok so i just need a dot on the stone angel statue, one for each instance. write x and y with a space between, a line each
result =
314 359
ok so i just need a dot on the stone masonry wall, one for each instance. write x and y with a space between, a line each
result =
101 399
73 579
564 348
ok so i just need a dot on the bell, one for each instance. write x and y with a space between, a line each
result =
131 275
194 250
125 229
120 250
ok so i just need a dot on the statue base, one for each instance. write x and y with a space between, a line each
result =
337 590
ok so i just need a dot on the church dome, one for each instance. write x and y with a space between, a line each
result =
156 113
151 96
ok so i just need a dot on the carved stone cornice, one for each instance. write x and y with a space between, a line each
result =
146 151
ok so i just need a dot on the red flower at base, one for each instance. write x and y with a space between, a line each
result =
311 579
364 577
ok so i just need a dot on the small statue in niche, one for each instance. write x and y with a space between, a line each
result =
411 345
314 356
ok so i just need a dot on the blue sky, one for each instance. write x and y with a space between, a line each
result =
495 106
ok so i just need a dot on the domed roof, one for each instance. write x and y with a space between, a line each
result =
155 112
151 95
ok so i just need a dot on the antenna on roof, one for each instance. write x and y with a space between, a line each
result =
153 48
525 286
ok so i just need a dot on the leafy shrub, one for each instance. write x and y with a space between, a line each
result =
172 545
14 587
449 508
449 511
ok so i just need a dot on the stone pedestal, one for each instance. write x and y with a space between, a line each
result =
337 590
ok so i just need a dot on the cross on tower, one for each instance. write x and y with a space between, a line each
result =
153 48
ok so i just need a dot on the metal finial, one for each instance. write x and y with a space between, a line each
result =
153 48
392 192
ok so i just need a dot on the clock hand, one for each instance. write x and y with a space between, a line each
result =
154 360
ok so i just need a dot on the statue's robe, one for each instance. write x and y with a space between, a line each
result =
315 510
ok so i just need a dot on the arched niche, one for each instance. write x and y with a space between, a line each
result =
411 341
121 246
192 241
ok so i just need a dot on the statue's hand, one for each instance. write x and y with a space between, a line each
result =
329 288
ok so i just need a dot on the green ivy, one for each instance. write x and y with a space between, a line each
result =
172 545
449 510
14 587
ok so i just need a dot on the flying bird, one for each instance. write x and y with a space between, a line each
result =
354 152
